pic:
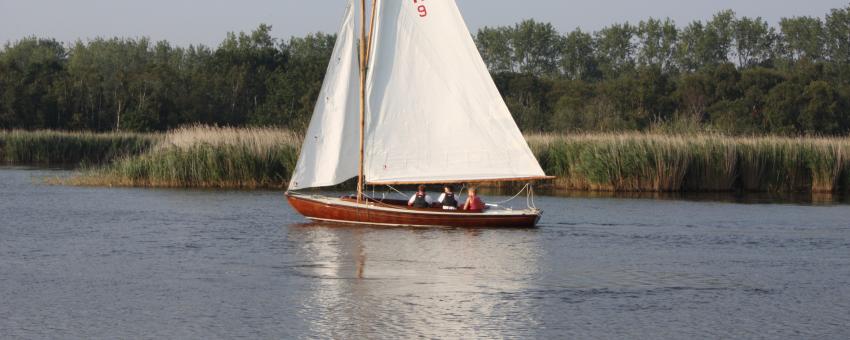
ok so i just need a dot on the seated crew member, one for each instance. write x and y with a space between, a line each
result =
473 202
447 199
420 199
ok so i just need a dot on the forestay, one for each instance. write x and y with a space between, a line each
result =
330 153
434 113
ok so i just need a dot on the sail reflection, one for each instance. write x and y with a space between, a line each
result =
410 282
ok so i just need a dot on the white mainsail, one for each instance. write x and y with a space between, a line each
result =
434 113
330 153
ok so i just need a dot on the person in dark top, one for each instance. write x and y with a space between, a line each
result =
448 199
420 199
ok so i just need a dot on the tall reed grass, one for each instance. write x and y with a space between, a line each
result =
55 148
206 157
629 162
655 162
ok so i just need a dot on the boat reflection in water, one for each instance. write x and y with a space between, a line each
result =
415 282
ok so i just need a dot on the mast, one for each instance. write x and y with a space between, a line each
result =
365 47
362 97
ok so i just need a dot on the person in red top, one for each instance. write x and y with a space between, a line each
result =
473 202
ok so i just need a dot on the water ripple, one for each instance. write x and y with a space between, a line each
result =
131 263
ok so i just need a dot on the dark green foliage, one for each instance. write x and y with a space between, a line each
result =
526 97
136 85
754 41
783 108
658 40
729 74
579 62
820 112
803 38
528 47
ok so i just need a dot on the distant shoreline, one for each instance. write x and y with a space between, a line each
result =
263 158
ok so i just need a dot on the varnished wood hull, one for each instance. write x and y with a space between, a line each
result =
339 210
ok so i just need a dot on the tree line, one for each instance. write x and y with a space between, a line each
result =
731 74
139 85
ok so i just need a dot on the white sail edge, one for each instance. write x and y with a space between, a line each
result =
330 151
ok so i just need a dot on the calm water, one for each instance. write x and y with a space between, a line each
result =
129 263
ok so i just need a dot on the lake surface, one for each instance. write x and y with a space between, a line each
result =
129 263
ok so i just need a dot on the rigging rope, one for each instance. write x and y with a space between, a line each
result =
512 198
530 198
396 190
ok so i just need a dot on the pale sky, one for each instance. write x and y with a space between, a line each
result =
185 22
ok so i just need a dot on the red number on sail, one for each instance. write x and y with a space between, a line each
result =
423 11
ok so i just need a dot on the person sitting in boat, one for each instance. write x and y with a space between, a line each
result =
420 199
447 199
473 202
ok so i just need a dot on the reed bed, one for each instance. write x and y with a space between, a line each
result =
206 157
214 157
634 162
56 148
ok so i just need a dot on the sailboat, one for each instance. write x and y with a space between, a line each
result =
429 113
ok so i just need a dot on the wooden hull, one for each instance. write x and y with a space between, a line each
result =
378 213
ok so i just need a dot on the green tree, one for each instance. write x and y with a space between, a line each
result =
494 44
708 44
578 62
199 99
658 40
570 110
732 116
695 93
715 91
783 105
104 70
692 50
754 41
756 84
615 49
820 110
537 48
726 79
654 92
837 35
721 35
293 91
526 97
243 63
618 78
803 38
31 68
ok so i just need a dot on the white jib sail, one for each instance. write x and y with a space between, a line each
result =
330 153
434 112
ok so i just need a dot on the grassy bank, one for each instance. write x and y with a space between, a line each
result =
54 148
632 162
